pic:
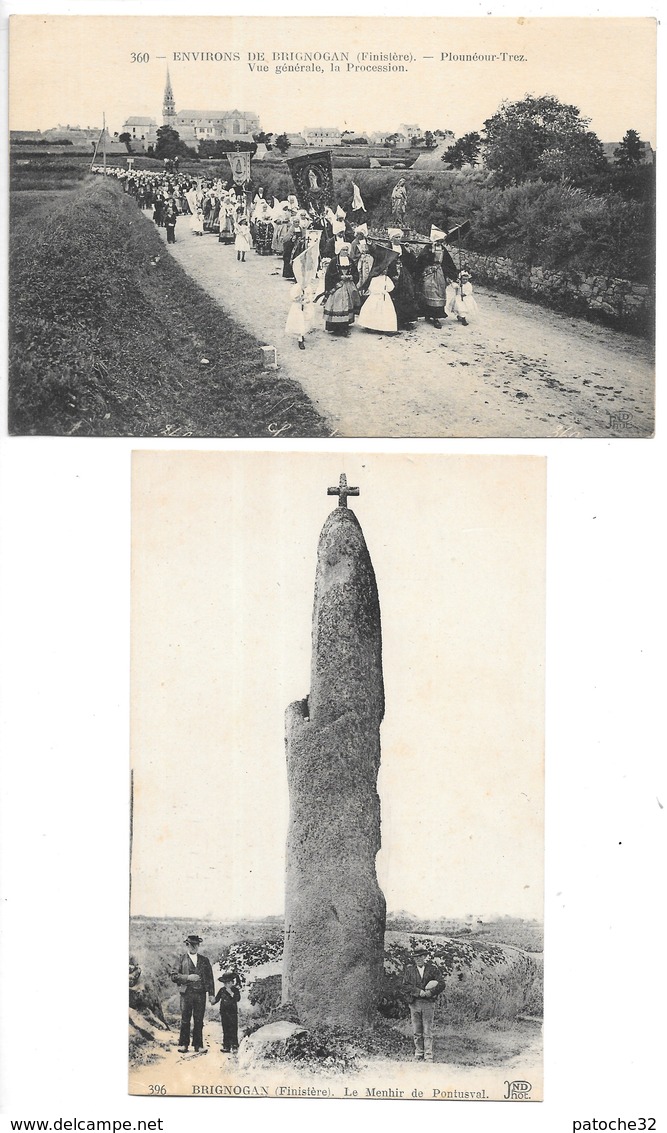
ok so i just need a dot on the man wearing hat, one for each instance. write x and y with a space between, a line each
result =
194 976
422 982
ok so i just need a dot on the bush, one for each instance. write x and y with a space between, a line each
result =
244 954
266 993
324 1049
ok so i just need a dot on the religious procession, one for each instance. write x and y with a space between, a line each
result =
344 274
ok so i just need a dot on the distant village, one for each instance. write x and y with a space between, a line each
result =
139 134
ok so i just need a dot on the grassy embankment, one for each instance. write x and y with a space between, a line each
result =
108 333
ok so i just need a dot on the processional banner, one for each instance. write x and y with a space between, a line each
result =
313 180
240 165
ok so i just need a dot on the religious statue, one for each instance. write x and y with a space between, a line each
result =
399 202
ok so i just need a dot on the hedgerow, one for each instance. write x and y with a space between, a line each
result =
537 223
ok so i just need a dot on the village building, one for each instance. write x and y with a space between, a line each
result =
143 131
18 136
390 137
196 126
77 135
352 138
322 136
209 125
193 126
78 139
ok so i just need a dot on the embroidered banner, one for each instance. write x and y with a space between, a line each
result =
313 180
240 165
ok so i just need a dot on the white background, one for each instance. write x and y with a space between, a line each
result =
65 638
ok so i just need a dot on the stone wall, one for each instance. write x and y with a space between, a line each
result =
617 302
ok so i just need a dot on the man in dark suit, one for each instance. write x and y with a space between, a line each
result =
194 976
422 983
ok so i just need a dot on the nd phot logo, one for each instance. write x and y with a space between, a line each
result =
517 1091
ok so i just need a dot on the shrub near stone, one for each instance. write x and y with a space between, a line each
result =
482 981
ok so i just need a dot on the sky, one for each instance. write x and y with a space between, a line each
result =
224 552
71 69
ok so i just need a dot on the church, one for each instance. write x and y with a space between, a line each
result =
193 126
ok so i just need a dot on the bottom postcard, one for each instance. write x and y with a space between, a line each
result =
337 776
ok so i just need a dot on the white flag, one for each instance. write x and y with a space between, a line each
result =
305 265
357 202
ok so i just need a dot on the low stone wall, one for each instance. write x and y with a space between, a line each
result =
617 302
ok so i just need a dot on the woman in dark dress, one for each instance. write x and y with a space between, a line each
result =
434 268
294 245
341 298
404 294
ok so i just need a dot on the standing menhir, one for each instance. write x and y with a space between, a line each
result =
334 908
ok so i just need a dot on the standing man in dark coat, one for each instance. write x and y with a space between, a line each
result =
170 216
194 976
422 982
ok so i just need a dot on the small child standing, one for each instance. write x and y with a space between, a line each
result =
228 997
461 302
242 241
197 222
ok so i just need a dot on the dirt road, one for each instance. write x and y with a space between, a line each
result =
521 371
483 1061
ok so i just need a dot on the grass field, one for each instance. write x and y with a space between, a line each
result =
45 172
108 334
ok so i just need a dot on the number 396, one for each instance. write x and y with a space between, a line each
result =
157 1089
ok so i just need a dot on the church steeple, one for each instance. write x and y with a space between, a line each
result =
168 103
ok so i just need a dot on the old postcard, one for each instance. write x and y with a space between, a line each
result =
306 227
337 760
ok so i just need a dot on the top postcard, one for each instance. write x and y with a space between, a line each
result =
315 227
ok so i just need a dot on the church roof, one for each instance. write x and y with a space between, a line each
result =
216 114
137 120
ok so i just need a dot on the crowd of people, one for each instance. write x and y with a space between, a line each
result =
382 283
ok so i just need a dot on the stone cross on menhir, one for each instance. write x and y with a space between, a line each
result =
342 491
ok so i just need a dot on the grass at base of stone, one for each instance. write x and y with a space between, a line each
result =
108 334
